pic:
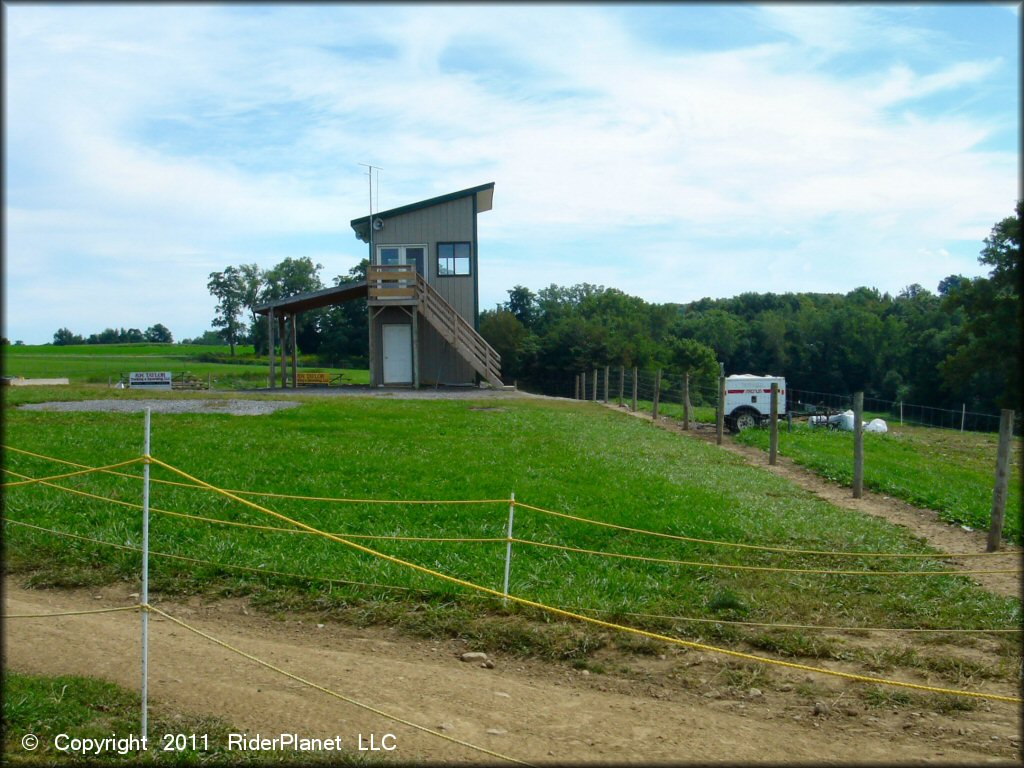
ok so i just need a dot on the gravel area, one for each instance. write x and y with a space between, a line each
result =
233 407
260 407
407 393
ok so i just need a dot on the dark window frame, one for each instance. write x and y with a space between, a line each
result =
454 260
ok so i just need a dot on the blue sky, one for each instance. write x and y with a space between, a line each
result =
671 151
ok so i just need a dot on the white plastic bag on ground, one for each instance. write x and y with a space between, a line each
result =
846 421
876 425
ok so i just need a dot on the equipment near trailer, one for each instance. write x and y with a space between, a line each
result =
748 400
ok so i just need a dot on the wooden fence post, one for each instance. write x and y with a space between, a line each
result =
606 369
995 529
773 427
858 444
583 385
657 395
634 388
593 396
686 400
720 415
576 388
622 382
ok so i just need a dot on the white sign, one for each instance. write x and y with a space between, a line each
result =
150 380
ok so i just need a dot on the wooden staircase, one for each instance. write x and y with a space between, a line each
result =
390 285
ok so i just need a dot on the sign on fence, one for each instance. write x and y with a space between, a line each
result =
150 380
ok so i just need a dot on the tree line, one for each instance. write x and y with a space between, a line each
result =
155 334
336 334
957 346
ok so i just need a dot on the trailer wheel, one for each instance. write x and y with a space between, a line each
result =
743 418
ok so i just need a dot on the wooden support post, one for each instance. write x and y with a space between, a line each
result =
773 427
583 385
995 529
271 376
372 346
415 349
593 395
686 400
606 369
576 388
635 376
657 395
622 382
720 415
295 354
858 444
282 337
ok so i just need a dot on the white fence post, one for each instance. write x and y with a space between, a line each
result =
144 592
508 543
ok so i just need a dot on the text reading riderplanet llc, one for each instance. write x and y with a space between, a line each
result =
243 742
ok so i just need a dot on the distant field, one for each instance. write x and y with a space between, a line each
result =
100 363
940 469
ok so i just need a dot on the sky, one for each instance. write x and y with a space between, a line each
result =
672 151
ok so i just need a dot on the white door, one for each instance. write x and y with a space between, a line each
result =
397 354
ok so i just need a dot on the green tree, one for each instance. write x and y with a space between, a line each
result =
64 336
984 366
344 328
522 303
511 339
229 290
290 278
252 285
159 334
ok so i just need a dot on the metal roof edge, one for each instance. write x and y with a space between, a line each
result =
365 220
304 297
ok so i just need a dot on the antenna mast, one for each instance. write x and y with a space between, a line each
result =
369 173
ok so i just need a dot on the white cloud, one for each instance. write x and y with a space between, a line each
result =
199 134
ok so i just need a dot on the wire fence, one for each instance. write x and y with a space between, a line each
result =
615 384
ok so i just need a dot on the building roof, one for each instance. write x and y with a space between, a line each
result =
484 200
315 299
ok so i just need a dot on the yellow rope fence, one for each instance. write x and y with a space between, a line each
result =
695 619
541 510
523 601
589 619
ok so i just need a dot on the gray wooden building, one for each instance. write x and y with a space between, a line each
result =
422 292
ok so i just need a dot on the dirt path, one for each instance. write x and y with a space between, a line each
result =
528 710
924 523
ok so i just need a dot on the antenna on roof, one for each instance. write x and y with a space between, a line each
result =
369 173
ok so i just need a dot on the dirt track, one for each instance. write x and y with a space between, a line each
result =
674 708
528 710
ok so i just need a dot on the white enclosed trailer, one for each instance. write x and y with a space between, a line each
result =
748 400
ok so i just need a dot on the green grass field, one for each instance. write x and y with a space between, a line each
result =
100 363
576 458
940 469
